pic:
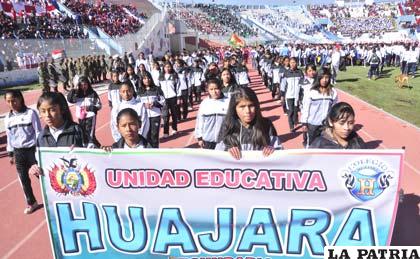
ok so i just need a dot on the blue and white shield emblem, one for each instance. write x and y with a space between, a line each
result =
366 184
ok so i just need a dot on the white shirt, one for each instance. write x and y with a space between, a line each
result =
56 132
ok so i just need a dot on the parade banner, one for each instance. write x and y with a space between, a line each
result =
192 203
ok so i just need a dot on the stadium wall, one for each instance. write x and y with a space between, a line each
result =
18 77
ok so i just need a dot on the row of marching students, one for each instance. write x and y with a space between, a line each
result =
173 91
310 93
229 119
235 123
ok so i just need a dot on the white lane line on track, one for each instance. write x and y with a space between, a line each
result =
189 140
24 240
8 185
370 137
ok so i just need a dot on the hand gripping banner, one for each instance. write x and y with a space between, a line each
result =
190 203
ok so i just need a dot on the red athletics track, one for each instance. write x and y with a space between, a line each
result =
23 236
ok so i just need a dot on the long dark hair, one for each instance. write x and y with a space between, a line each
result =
16 94
317 83
83 79
232 76
230 132
142 88
162 73
56 99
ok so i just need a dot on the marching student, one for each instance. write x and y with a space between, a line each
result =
244 127
154 101
374 60
197 81
88 104
183 75
114 90
22 128
316 105
169 83
210 115
241 74
228 82
290 90
212 72
60 130
134 79
306 84
277 71
129 100
339 130
128 123
155 72
286 67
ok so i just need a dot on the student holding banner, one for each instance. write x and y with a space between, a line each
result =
244 127
339 130
60 129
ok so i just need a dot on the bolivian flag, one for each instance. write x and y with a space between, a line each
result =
235 41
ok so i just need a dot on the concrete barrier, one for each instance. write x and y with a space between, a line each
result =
18 77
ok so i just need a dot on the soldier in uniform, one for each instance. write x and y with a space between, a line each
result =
98 70
103 65
64 74
53 75
44 77
72 71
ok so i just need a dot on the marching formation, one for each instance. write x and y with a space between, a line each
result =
148 91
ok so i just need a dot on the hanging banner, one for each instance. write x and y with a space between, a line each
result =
191 203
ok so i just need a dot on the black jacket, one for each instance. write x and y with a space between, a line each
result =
121 143
325 141
72 135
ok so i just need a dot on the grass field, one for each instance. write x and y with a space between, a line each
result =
22 88
383 92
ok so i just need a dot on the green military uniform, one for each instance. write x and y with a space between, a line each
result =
53 76
44 77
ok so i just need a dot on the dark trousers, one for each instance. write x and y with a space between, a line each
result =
284 103
209 145
184 105
197 93
89 127
24 159
191 96
170 109
373 70
274 89
313 132
292 113
153 134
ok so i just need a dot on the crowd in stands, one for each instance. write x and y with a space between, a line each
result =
111 18
224 16
198 21
355 27
412 7
279 21
212 19
354 21
31 26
